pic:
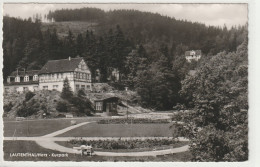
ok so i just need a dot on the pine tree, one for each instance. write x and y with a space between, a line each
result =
66 90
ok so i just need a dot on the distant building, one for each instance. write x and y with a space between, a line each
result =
97 76
193 55
20 81
51 76
114 75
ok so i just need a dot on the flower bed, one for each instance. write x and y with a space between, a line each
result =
133 121
125 144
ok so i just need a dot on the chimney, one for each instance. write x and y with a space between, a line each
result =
69 58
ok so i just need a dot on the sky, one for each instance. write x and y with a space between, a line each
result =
209 14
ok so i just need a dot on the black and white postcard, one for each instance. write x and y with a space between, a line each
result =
125 82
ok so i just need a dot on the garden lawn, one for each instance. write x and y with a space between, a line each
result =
120 130
32 128
31 147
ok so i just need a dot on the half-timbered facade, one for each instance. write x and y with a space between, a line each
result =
53 73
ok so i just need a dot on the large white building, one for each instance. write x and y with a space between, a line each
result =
51 76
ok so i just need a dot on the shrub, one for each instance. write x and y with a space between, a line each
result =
62 106
83 105
26 111
8 107
81 93
29 95
66 90
133 121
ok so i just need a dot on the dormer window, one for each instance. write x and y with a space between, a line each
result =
35 78
17 79
26 78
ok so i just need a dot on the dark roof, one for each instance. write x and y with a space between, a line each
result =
197 52
101 96
63 65
21 83
22 73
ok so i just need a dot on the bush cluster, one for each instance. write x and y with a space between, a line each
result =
28 109
133 121
78 104
8 107
62 106
125 144
29 95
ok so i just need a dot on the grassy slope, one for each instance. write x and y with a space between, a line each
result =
32 147
120 130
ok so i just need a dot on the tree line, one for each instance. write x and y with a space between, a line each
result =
147 49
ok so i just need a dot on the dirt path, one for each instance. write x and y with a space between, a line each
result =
65 130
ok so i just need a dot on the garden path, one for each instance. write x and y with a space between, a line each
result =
48 142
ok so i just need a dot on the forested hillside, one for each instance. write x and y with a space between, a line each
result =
148 49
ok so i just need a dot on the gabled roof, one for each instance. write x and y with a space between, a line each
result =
63 65
23 73
197 52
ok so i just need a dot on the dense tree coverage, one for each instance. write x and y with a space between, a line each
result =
147 49
218 125
154 29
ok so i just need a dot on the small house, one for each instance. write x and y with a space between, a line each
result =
104 103
193 55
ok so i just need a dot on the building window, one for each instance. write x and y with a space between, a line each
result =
26 78
8 79
99 106
83 87
88 86
17 79
55 87
35 78
77 87
45 87
80 76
